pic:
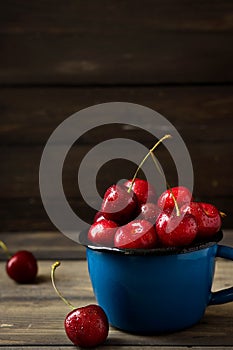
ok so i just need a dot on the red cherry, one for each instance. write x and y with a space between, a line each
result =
174 231
207 216
149 212
181 194
143 190
136 234
87 326
98 216
22 267
103 232
118 205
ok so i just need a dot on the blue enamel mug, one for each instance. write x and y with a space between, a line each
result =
156 290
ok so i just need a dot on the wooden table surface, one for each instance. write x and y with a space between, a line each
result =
31 316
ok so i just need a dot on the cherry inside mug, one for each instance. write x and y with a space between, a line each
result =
156 290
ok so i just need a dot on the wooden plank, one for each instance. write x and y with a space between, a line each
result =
44 245
55 246
115 43
76 60
56 17
29 214
78 289
20 170
108 346
33 314
199 113
227 238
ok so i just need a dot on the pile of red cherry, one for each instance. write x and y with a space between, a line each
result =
132 217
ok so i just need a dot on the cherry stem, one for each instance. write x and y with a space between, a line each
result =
145 158
167 184
222 214
53 268
5 249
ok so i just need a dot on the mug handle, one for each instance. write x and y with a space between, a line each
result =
225 295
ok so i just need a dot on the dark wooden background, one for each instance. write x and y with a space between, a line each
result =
57 57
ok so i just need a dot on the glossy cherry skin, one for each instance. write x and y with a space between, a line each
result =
22 267
181 194
149 212
98 216
102 232
118 205
207 217
143 190
135 235
173 231
87 326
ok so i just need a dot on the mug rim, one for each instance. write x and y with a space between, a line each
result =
83 240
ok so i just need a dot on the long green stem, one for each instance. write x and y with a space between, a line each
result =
167 184
53 268
5 249
145 158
